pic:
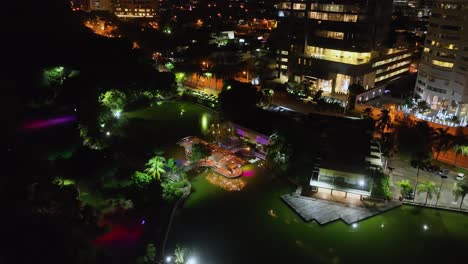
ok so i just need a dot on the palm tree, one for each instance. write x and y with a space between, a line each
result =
155 166
367 112
422 106
460 145
460 189
442 140
180 254
429 188
406 188
388 146
384 121
460 149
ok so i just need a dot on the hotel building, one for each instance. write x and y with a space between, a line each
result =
443 74
330 45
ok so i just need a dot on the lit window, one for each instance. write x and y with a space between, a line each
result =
333 16
329 34
389 75
442 63
338 55
299 6
382 62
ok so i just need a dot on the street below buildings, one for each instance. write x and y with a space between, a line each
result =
401 170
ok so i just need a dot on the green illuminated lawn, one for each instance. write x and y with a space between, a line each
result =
255 224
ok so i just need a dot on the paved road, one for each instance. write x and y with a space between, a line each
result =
403 171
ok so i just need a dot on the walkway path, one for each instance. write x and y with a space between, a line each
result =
325 212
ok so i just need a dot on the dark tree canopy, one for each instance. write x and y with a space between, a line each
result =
238 98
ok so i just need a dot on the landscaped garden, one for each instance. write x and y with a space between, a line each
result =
223 226
234 221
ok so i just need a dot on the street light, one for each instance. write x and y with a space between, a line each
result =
117 113
246 73
168 259
361 183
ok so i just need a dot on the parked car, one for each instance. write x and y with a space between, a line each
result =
409 196
432 168
443 173
460 177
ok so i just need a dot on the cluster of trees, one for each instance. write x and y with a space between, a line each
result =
459 190
279 153
68 70
381 185
199 152
167 174
417 139
237 99
180 255
420 140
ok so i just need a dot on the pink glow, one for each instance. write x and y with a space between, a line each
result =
124 232
248 173
120 236
37 124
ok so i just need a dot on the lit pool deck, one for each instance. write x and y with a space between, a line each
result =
324 212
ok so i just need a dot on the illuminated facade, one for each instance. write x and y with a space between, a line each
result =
333 44
443 74
135 8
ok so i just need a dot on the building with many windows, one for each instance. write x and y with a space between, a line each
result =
135 8
443 74
103 5
330 45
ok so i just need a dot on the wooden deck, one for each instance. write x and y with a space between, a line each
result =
324 212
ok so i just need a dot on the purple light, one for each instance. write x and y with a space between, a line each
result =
241 132
262 140
36 124
142 222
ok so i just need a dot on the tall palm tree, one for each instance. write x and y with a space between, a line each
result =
384 121
460 145
388 146
460 149
155 166
419 159
442 140
460 189
429 188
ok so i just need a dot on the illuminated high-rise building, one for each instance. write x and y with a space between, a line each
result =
135 8
331 44
443 74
